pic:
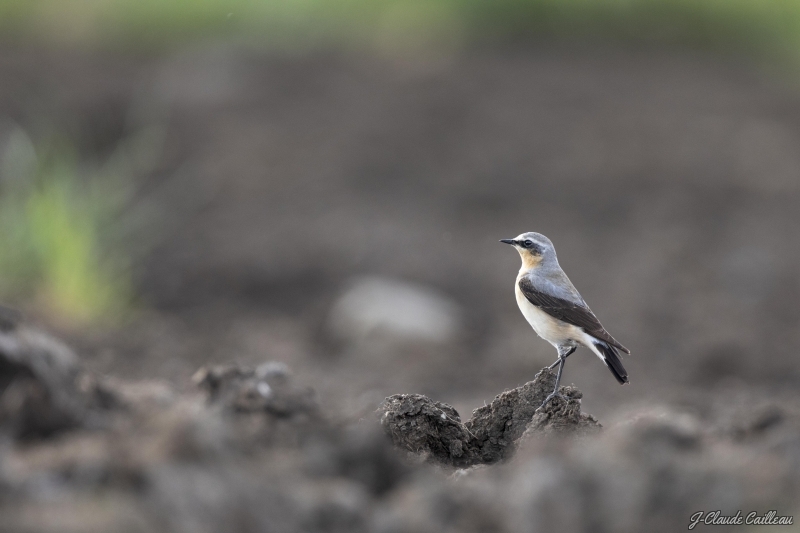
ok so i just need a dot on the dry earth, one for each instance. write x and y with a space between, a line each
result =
668 182
249 450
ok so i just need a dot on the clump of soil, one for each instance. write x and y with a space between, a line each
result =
420 425
43 389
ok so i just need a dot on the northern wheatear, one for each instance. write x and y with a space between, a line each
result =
555 309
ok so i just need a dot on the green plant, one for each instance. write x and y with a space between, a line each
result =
57 242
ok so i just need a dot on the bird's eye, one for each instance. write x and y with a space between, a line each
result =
528 243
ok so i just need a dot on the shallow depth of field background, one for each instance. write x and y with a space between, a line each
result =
324 184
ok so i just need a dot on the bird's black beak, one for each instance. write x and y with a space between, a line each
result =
508 241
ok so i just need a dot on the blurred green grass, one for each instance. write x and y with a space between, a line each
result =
64 228
762 27
58 242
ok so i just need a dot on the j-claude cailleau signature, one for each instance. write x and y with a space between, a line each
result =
716 518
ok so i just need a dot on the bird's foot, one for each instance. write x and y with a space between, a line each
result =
552 395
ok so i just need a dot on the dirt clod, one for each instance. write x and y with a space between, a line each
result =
43 389
422 426
266 388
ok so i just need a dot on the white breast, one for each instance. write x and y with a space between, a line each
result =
550 329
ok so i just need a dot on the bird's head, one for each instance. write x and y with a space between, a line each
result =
534 249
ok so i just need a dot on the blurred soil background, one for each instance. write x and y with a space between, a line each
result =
324 184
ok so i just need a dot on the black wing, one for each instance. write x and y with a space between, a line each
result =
569 312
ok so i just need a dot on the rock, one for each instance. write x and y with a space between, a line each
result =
389 308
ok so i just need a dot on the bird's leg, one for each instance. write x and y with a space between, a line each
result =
567 354
562 358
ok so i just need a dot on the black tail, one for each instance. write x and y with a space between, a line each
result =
612 361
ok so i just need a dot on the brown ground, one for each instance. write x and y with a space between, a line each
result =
668 182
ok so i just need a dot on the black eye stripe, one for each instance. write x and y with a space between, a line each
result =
530 245
533 247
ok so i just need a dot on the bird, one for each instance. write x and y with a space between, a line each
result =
557 312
